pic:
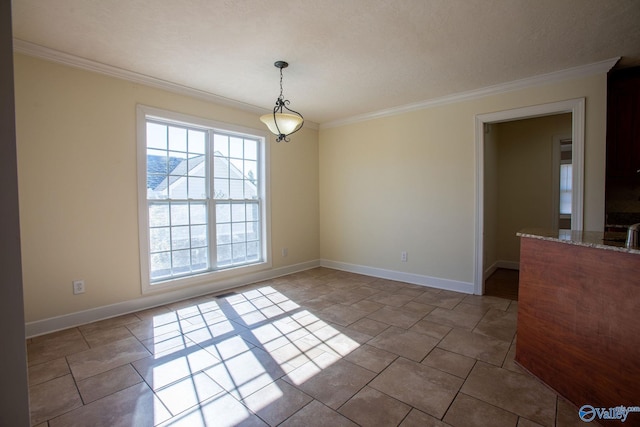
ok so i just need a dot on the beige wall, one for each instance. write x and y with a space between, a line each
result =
76 137
356 194
525 178
407 182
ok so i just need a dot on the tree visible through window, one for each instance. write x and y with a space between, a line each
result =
203 194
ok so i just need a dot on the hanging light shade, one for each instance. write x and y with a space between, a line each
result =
283 121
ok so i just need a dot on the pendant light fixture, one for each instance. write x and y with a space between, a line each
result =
282 123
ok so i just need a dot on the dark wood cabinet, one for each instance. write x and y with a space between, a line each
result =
578 328
623 126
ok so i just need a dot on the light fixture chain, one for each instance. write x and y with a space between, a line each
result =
281 97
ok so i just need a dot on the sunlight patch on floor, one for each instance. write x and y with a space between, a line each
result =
211 349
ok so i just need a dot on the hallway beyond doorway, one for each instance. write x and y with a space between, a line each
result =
503 283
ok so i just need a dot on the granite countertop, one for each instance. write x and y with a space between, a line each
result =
613 241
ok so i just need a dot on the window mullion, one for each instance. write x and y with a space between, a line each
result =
211 205
170 238
260 243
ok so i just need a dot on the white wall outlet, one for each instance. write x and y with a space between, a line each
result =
78 287
403 256
285 252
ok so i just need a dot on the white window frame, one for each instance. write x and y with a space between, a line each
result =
558 141
143 113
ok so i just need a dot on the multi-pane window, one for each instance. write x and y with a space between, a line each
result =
204 199
566 176
235 194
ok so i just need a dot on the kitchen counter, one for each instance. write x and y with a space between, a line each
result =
578 305
611 241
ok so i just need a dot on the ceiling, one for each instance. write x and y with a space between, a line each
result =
347 57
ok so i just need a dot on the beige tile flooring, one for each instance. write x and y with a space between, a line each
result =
316 348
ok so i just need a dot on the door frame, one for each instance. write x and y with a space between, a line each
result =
577 109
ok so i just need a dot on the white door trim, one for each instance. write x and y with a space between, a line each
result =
577 109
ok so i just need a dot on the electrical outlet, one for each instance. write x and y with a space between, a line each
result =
403 256
285 252
78 287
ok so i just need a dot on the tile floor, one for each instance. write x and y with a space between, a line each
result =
317 348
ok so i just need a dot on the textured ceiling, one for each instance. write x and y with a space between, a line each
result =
347 57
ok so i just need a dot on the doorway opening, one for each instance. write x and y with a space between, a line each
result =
483 126
503 283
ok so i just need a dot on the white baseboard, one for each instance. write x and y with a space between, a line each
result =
509 265
416 279
52 324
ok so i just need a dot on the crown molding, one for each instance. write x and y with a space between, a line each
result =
38 51
41 52
542 79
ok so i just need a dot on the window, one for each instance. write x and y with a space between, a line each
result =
563 183
203 209
566 176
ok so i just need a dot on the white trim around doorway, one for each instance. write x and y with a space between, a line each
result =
577 109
